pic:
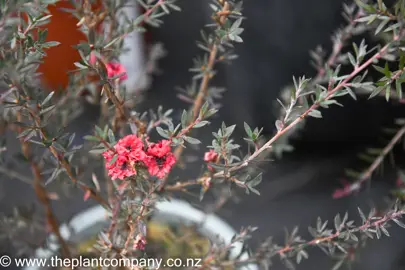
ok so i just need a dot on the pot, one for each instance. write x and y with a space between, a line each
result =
91 221
60 59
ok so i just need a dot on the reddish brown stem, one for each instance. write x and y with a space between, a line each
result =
62 161
330 94
42 193
367 173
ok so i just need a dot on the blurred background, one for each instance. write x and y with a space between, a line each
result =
298 188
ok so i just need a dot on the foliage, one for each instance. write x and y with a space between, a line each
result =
122 139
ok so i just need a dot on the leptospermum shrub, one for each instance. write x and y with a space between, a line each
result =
139 170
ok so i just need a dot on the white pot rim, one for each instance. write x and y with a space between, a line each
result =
176 208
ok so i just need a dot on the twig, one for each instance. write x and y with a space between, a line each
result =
330 94
203 92
41 192
387 149
14 174
337 47
317 241
62 161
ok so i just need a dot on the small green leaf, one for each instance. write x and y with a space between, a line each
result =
100 132
91 138
315 113
111 136
351 59
162 132
50 44
201 124
114 159
398 88
48 98
247 129
401 60
97 151
381 26
387 93
254 190
191 140
256 181
44 111
375 92
184 119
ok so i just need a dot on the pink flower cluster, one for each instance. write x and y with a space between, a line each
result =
131 151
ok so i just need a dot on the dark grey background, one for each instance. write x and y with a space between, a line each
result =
295 191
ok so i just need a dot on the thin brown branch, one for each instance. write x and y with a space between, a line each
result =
41 192
338 45
62 161
16 175
203 92
181 186
320 240
330 94
377 162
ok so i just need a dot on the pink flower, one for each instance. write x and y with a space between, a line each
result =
114 69
86 195
160 158
399 183
210 156
340 193
121 168
132 147
93 58
140 242
159 149
160 167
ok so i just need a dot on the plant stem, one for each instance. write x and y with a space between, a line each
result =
41 192
319 240
62 161
203 92
14 174
338 45
330 94
367 173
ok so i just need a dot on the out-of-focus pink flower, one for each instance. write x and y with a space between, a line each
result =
93 58
140 242
114 69
399 182
87 195
210 156
340 193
